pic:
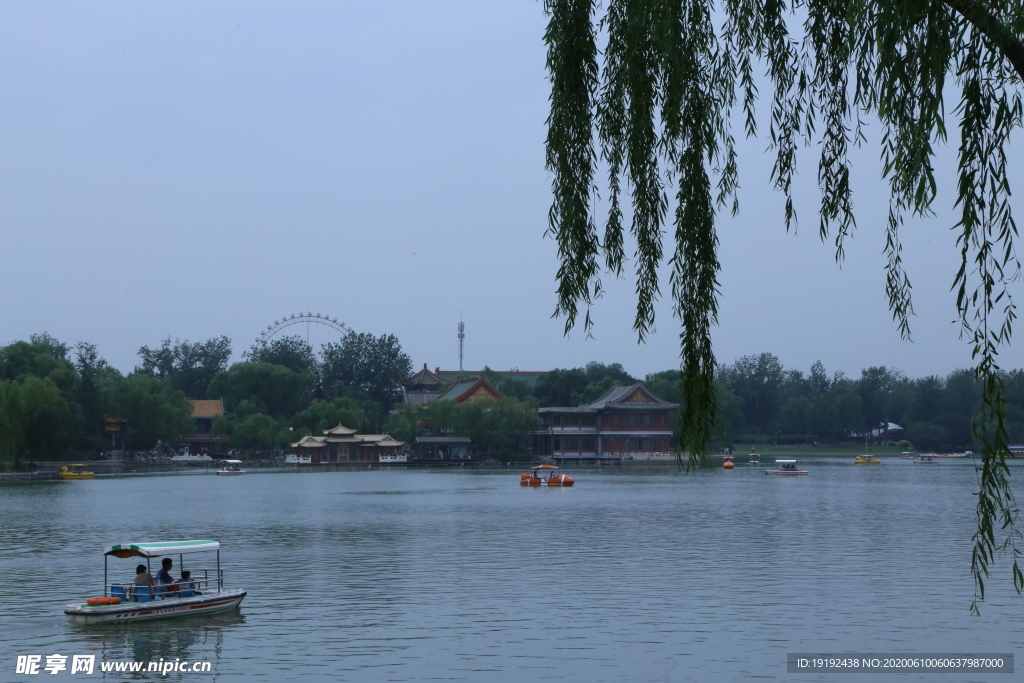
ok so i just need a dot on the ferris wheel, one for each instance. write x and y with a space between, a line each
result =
309 319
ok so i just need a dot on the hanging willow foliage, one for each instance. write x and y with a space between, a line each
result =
654 108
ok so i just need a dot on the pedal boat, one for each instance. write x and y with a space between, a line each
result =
786 468
728 464
77 471
866 460
231 468
553 479
925 460
202 594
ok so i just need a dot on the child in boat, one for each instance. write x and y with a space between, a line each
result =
185 585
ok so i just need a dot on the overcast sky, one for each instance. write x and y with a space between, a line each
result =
194 169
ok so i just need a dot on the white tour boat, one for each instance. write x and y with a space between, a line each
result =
786 467
231 468
200 594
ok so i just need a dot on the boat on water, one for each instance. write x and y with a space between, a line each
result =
907 455
231 468
925 460
786 468
866 460
728 464
554 478
755 459
949 455
77 471
202 593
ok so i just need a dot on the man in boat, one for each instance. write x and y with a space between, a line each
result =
164 575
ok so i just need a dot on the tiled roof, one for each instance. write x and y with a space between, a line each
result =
207 408
464 391
618 398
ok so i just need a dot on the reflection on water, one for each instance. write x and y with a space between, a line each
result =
188 639
634 574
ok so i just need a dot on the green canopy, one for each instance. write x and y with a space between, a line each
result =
160 548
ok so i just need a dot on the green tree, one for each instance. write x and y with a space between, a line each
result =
292 352
758 380
325 415
35 421
258 432
154 409
375 365
272 389
404 423
656 104
189 366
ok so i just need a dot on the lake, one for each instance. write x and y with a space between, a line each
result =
634 574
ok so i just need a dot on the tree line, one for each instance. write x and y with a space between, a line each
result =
55 398
760 401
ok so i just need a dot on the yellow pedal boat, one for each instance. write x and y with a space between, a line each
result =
74 472
866 460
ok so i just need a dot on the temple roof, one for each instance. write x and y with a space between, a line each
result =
632 397
470 390
339 431
207 408
426 378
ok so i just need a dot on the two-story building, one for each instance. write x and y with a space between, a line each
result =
627 422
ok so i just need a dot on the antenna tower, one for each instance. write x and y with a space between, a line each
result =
462 336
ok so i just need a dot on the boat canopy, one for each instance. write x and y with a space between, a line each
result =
545 467
232 462
160 548
785 461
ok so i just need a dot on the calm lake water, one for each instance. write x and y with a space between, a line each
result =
461 575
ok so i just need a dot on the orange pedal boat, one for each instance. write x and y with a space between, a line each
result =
553 478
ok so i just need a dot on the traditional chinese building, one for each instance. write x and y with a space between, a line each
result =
426 385
202 443
342 446
625 422
470 390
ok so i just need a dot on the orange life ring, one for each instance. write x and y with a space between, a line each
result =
103 601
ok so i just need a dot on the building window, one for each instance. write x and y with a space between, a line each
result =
556 420
572 420
631 419
570 444
647 419
632 444
587 420
588 445
648 445
558 444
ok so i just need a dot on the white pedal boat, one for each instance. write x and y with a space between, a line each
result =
201 594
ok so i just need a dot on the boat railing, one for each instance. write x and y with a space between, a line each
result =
128 592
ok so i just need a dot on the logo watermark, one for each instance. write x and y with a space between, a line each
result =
32 665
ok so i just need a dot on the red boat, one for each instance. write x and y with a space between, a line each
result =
553 479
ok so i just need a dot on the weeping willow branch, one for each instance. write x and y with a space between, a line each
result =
653 110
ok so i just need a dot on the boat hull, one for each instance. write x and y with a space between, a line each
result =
71 476
210 603
793 473
230 474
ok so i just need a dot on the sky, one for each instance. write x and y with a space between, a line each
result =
192 169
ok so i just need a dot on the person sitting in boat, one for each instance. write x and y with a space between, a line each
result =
143 577
164 575
185 585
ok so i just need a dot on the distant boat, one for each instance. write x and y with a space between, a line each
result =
231 468
74 472
949 455
786 467
755 459
924 460
866 460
